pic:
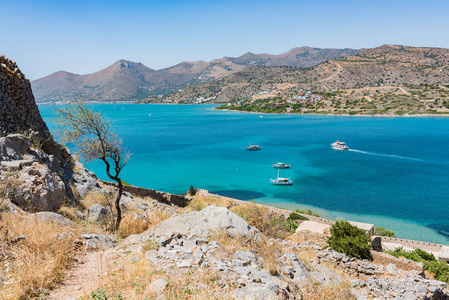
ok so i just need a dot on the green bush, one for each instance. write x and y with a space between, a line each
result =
440 269
283 226
192 191
350 240
307 212
384 232
296 216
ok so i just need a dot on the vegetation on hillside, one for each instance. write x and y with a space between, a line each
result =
438 268
350 240
384 232
387 80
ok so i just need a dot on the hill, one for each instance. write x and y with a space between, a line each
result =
392 69
126 80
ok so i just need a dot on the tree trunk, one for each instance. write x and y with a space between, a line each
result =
117 204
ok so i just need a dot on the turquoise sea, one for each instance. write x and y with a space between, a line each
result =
396 174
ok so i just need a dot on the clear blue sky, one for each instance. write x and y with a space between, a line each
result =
86 36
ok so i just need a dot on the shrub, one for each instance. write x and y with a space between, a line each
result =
440 269
296 216
192 191
307 212
384 232
350 240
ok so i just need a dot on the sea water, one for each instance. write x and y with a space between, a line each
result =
396 174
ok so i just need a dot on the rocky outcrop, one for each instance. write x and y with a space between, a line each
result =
18 109
40 189
43 181
198 223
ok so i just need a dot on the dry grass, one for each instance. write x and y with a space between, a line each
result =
127 280
91 198
199 202
314 291
69 213
271 224
131 224
34 264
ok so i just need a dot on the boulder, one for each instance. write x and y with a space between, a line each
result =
98 241
8 151
53 217
40 189
96 212
198 223
21 142
257 291
83 180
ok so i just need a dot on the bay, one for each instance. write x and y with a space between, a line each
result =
396 174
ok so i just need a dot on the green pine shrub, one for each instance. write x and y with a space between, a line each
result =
350 240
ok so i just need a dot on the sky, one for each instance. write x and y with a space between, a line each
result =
86 36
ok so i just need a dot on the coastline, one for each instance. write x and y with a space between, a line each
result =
340 115
322 219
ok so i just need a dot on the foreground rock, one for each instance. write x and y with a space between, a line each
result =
40 189
199 223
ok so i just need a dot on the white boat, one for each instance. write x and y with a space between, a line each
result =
281 181
253 147
280 165
339 146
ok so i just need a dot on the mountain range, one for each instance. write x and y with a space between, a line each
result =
387 65
129 81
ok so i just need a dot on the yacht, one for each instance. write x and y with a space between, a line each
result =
253 147
280 165
281 181
339 146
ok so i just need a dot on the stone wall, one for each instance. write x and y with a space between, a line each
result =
162 197
18 110
429 247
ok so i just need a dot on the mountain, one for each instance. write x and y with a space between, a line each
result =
126 80
381 66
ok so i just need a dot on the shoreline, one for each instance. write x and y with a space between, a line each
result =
286 212
339 115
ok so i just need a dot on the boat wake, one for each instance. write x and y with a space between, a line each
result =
385 155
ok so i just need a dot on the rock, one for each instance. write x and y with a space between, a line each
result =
96 212
256 291
16 165
151 254
53 217
210 220
21 142
245 256
8 151
157 286
40 189
98 241
391 269
83 180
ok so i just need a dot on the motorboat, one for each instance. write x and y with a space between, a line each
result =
339 145
280 165
253 147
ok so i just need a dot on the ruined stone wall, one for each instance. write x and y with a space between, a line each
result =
162 197
18 109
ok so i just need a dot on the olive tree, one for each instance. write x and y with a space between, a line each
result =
92 135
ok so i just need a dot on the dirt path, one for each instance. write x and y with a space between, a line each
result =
84 277
339 67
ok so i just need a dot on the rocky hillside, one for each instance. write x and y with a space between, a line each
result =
382 66
125 80
18 109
